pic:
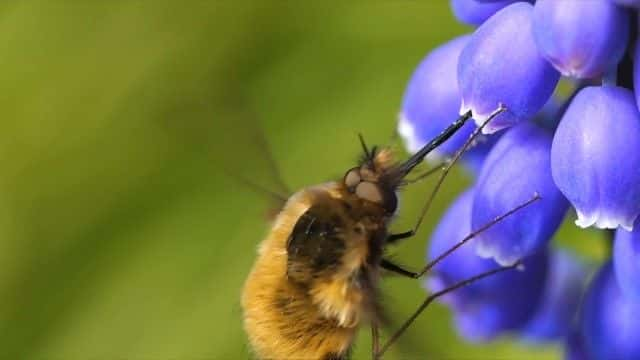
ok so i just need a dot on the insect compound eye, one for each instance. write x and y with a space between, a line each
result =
366 173
352 178
369 191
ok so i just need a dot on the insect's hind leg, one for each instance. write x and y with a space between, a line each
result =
375 340
433 297
475 233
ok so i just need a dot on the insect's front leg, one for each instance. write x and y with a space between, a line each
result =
392 238
388 265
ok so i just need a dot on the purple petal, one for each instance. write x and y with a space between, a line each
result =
431 102
432 99
595 159
481 323
581 39
609 320
574 347
475 12
474 157
636 71
517 167
502 65
564 286
628 3
626 261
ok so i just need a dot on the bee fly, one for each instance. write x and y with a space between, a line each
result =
315 281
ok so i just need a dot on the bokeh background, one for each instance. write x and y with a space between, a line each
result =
122 234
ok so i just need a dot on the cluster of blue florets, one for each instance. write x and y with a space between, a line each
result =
578 148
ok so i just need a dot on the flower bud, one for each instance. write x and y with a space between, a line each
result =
582 39
609 320
432 100
564 286
475 12
626 261
501 65
517 167
627 3
595 159
574 348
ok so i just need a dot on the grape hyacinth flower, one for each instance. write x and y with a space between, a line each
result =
501 64
626 261
582 39
518 166
579 147
475 12
609 319
496 304
636 70
574 346
431 99
628 3
595 159
554 317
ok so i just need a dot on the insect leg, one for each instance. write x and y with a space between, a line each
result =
433 297
375 340
428 172
475 233
395 237
399 236
388 265
453 161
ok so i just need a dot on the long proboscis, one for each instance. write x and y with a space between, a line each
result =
406 167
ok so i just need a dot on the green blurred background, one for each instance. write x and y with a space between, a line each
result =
121 237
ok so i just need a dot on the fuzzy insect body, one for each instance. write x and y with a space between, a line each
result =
315 279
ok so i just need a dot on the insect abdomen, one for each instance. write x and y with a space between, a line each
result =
283 322
301 299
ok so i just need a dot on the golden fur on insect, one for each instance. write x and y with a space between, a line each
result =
307 301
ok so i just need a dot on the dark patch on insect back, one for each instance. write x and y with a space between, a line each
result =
315 243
